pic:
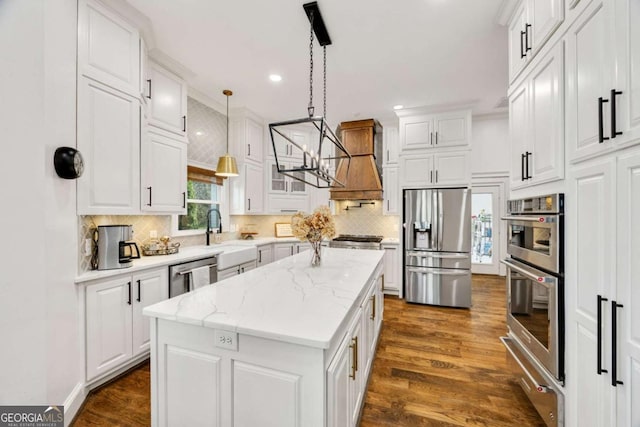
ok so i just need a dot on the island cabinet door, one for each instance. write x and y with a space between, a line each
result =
108 317
345 379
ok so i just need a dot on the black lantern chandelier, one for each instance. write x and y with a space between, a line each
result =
307 149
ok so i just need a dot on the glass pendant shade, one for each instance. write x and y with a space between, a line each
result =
227 166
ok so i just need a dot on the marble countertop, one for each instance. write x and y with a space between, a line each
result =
187 253
287 300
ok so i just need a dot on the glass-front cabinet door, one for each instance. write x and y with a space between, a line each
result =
279 183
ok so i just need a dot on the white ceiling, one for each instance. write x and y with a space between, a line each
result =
384 52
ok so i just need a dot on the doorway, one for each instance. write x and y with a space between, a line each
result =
485 229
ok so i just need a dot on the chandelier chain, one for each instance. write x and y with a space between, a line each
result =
310 109
324 80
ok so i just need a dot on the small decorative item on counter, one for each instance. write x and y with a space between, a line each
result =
248 231
160 246
313 228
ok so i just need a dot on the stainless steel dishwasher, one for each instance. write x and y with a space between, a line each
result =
180 274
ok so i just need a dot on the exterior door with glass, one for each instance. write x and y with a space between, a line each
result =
485 229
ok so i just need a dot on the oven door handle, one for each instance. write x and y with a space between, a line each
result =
543 219
438 271
543 280
432 255
539 387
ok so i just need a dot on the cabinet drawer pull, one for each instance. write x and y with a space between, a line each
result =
601 137
184 199
436 176
614 113
139 293
431 176
249 149
149 85
522 176
431 138
599 330
527 154
259 256
149 188
184 123
129 292
373 307
436 137
354 357
249 203
522 54
614 344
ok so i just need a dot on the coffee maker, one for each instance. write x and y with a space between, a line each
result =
115 250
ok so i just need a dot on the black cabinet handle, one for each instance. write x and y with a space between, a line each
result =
522 176
431 138
387 204
436 176
129 286
599 326
522 54
249 208
149 188
249 154
431 176
139 294
259 256
436 138
184 200
149 84
614 344
527 48
614 132
526 163
601 137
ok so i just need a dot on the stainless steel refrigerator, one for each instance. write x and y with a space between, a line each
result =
437 246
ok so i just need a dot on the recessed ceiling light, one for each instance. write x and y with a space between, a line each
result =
398 107
275 77
199 133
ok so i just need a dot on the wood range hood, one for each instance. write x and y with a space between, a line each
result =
363 141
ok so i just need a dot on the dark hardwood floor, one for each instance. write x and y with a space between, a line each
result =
434 367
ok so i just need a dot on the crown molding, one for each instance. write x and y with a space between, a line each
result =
439 108
490 116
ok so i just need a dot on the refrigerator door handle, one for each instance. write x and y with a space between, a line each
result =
440 219
438 271
434 220
437 255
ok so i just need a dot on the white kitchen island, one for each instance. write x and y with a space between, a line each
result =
283 345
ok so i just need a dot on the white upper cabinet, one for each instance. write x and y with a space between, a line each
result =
391 191
436 130
168 100
517 49
164 174
145 80
246 139
531 25
628 68
247 190
391 145
108 48
109 139
447 168
536 122
590 78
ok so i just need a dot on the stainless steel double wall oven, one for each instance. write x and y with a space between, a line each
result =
535 300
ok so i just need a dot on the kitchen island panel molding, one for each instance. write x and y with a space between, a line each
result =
288 320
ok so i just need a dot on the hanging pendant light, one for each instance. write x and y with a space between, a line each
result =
227 164
313 151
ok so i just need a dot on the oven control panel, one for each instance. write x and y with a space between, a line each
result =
549 204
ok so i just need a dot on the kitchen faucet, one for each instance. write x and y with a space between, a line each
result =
209 222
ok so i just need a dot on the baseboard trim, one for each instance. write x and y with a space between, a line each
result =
73 402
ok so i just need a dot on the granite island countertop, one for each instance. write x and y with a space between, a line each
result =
287 300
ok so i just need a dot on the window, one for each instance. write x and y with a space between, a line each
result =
204 192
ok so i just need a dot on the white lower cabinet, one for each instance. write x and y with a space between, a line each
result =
392 273
116 331
235 270
348 373
283 250
604 316
265 255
